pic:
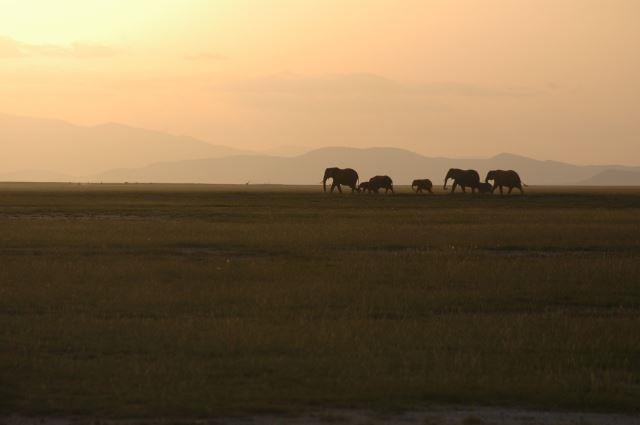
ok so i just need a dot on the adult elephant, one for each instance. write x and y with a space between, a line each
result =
340 176
421 185
381 182
462 178
504 178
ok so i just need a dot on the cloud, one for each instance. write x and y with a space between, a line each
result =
363 109
330 84
367 84
473 90
206 57
10 48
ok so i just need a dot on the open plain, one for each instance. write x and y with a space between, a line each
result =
195 301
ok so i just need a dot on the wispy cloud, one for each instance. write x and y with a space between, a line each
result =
10 48
206 57
369 84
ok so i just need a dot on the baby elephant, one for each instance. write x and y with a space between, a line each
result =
421 185
364 187
485 188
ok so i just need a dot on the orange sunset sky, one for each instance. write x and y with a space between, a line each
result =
551 79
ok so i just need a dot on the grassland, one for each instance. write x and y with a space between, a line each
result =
179 301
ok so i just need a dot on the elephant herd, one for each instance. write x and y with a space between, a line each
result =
463 178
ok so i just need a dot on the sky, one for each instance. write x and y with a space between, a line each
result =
550 79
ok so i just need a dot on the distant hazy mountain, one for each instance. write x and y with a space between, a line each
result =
35 176
50 150
63 148
614 178
286 150
402 165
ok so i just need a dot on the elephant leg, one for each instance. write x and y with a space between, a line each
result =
333 187
501 192
340 188
453 187
493 189
510 189
464 189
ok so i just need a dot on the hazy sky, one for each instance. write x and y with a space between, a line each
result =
556 79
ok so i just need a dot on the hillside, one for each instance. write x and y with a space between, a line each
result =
50 150
402 165
35 147
614 178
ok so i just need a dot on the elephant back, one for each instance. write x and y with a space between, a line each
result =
381 181
347 176
469 178
507 178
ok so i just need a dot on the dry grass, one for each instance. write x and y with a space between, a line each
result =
196 300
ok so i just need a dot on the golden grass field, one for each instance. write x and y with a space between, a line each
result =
193 300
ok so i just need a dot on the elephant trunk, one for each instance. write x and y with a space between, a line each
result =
450 175
324 184
490 176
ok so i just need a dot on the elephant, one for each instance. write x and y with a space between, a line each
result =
364 187
421 185
381 182
462 178
339 176
485 188
502 178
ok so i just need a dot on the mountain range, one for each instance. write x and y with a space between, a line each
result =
58 147
402 165
50 150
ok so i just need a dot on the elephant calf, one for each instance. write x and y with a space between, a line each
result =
364 187
485 188
421 185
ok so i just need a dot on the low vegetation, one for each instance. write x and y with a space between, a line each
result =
145 301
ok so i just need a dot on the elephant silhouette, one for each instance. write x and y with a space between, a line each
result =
504 178
381 182
347 176
421 185
462 178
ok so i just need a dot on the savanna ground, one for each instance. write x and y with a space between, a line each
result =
186 301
